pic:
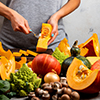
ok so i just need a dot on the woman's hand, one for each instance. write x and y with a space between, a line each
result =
54 22
19 23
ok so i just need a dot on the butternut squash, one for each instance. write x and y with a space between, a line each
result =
42 43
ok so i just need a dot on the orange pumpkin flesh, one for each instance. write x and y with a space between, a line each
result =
2 51
81 78
18 64
84 51
64 47
1 65
42 43
92 59
8 67
92 44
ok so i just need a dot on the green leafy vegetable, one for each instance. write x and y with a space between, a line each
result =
11 94
5 86
3 97
60 56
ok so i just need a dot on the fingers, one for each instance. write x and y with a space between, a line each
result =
53 36
23 28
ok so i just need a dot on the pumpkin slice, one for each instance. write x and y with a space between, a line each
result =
92 44
92 59
19 64
64 47
17 54
2 51
79 77
31 53
23 52
8 67
1 65
84 51
42 43
29 64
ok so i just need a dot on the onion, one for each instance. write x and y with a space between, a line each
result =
51 77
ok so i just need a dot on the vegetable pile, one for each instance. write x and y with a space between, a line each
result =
80 65
24 81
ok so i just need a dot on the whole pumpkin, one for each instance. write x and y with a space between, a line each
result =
44 63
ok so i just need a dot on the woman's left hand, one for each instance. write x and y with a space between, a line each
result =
54 22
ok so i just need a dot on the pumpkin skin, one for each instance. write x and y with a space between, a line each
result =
77 82
44 63
96 65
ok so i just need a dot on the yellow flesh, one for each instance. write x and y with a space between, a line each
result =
75 80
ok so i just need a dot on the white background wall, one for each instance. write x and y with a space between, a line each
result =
83 22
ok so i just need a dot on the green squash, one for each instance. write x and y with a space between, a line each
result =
75 52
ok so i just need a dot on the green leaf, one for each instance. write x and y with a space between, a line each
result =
3 97
6 86
1 85
11 94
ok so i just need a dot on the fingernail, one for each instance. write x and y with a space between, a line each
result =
52 35
30 30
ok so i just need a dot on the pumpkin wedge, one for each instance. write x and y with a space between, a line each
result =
42 43
19 64
92 59
92 44
64 47
80 78
1 65
8 67
84 51
2 51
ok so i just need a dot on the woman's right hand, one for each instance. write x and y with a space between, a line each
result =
19 23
